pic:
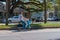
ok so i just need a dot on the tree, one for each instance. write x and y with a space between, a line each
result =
50 6
12 4
58 4
7 10
45 12
36 3
57 8
24 4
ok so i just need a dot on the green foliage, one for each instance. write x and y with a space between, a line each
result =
34 7
50 6
58 4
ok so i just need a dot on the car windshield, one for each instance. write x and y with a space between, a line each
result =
15 17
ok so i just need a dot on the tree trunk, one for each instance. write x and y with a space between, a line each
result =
45 12
7 10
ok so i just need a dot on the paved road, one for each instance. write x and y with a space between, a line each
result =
42 34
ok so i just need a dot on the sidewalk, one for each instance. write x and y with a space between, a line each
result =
42 34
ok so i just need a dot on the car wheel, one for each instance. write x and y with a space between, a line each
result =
9 21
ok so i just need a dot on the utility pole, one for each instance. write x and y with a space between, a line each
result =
45 12
7 10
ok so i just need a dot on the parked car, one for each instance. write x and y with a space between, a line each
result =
51 19
12 19
39 19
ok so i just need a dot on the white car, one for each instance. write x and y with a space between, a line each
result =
13 19
50 19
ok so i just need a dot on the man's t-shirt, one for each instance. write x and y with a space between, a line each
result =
22 18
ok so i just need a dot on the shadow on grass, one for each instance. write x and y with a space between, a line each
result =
33 27
36 26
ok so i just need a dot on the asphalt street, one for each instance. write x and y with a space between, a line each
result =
42 34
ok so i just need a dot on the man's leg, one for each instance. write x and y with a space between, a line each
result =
24 25
28 25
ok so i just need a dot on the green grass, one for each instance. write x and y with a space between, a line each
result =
4 26
48 24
